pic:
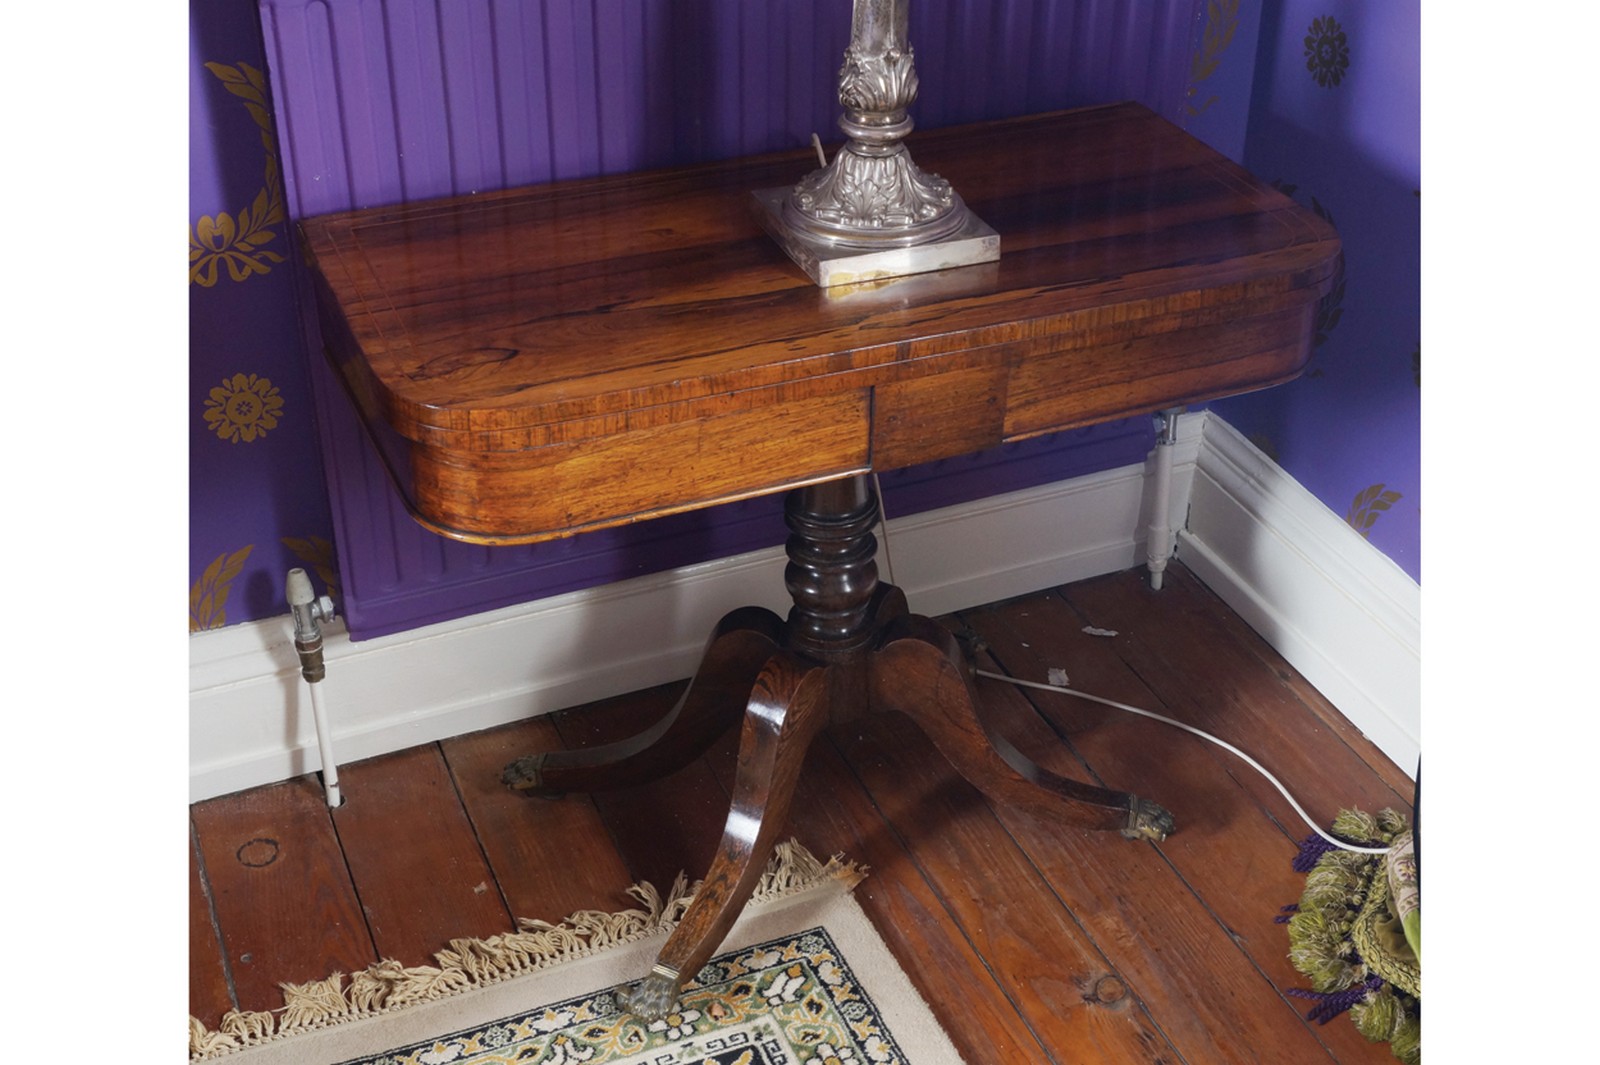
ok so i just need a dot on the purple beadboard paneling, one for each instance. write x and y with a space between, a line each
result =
382 101
389 100
396 576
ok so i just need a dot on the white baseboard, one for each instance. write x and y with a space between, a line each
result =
250 714
1335 607
1328 601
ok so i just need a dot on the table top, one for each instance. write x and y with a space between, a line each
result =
539 361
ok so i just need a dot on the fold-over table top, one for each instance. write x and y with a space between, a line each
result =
1139 269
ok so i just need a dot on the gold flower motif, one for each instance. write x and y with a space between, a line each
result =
243 407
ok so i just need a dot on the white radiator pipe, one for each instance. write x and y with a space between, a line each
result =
330 768
1158 539
309 612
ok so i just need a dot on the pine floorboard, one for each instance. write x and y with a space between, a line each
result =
208 980
1035 942
417 864
279 889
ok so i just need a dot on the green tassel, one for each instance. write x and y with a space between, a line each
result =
1335 886
1357 825
1406 1043
1366 828
1377 1016
1321 946
1391 823
1310 930
1317 949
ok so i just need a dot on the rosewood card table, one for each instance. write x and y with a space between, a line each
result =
542 361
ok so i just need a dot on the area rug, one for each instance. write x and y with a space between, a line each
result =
802 978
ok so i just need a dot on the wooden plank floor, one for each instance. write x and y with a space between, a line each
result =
1035 942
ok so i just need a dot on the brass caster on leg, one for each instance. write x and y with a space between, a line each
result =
526 775
972 645
1148 820
653 997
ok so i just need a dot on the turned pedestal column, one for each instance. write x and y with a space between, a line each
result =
849 647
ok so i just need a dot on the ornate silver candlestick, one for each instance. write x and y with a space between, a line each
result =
871 213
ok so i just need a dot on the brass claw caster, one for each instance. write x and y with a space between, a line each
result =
1148 820
526 775
651 998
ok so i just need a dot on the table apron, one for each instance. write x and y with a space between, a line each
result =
601 481
611 471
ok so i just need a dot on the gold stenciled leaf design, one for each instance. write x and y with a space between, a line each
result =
209 594
1222 22
250 85
236 241
317 552
1368 504
235 244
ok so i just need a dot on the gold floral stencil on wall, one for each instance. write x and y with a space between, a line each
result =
236 240
1327 51
209 594
243 407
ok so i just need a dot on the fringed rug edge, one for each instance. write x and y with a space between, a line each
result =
386 986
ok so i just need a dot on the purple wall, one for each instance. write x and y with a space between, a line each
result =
407 99
258 503
1335 117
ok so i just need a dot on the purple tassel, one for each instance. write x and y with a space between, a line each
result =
1313 847
1331 1004
1311 851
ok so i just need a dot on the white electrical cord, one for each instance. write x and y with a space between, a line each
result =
883 527
1224 744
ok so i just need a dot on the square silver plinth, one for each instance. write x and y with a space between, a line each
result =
828 264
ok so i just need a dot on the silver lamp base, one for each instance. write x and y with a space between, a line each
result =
830 262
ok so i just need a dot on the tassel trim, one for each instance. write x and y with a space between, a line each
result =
468 964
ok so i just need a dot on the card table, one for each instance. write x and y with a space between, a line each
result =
537 362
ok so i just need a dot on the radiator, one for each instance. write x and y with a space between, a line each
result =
385 101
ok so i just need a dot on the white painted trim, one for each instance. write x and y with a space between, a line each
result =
1338 610
250 714
1334 606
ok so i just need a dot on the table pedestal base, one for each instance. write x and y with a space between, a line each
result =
850 647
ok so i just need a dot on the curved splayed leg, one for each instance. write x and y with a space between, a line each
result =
919 671
787 706
741 643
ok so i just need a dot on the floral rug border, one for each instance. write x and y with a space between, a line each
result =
778 1002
